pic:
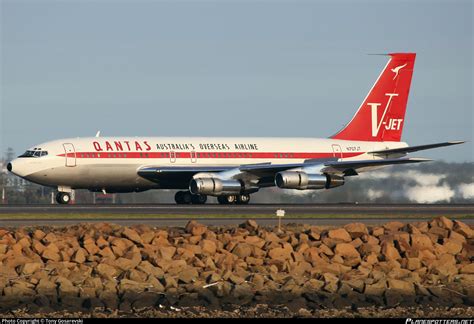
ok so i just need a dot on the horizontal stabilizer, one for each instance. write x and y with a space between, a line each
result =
410 149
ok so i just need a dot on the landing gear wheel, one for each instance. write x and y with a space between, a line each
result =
187 197
63 198
199 199
178 197
243 199
231 199
222 200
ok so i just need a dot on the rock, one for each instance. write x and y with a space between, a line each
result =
79 256
467 269
49 238
107 271
51 252
208 247
439 232
375 289
445 266
331 282
127 285
357 243
401 286
89 245
356 284
356 230
300 268
282 253
421 242
340 234
413 263
346 250
167 252
66 287
101 242
445 222
188 275
323 248
147 267
132 235
463 229
390 252
39 234
46 288
367 248
452 246
393 226
251 225
31 267
242 250
378 231
456 236
195 228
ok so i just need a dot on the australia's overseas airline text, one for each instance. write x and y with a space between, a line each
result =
120 146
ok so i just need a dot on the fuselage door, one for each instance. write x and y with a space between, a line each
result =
172 156
337 151
193 157
70 154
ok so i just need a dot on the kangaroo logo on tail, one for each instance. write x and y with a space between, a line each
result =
397 69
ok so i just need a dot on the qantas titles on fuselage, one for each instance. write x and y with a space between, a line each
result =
129 146
233 168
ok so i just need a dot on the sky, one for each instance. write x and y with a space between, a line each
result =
229 68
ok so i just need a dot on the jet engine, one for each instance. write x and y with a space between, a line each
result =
215 187
301 180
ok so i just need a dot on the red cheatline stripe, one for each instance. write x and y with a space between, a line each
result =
205 155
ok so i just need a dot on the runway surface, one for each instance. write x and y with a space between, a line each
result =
181 222
179 215
261 209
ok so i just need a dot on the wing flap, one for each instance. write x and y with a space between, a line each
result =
410 149
350 167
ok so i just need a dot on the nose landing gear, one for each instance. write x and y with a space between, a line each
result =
63 198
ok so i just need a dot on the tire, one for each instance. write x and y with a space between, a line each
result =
243 199
187 197
199 199
221 200
178 197
63 198
231 199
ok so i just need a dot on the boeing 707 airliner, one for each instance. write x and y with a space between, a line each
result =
233 168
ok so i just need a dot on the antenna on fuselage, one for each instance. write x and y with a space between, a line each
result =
98 134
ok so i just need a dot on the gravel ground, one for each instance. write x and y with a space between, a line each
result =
260 311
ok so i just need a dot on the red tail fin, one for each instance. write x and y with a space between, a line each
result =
382 113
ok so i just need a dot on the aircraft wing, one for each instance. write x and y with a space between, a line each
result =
410 149
262 173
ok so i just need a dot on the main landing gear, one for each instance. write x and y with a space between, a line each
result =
186 198
63 198
234 199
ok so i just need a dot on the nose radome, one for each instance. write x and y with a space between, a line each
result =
9 167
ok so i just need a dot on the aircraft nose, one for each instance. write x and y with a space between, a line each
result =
19 167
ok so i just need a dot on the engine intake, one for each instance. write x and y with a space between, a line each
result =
302 180
215 187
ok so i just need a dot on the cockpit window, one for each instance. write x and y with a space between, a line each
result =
35 153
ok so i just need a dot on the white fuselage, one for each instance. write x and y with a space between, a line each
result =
111 163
